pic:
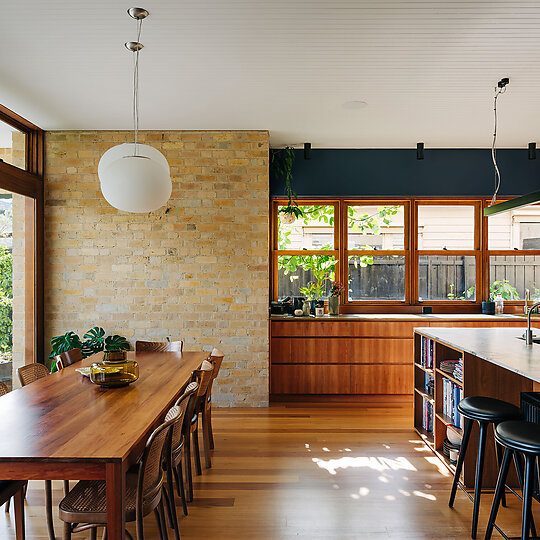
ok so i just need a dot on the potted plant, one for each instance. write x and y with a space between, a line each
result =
282 163
93 341
315 289
336 290
502 287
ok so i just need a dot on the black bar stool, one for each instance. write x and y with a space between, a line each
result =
517 436
485 411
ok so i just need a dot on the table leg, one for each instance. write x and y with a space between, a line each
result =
20 533
116 486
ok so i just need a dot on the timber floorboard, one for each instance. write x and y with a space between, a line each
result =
313 472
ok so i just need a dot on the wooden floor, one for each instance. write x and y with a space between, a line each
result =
317 472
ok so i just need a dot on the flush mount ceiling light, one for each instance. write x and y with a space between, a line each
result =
135 177
531 198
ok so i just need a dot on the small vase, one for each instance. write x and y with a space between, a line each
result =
333 305
306 308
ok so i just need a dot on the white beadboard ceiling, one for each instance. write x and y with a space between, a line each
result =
426 68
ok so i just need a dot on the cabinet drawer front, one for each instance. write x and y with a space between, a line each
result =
280 350
382 329
319 351
287 379
381 351
310 328
387 379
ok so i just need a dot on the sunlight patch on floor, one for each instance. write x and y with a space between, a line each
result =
374 463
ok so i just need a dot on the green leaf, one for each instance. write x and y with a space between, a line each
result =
60 344
116 343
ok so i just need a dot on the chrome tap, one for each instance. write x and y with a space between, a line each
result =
527 299
529 334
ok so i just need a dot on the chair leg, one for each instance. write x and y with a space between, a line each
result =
206 440
180 487
8 504
19 515
210 430
530 462
196 451
478 479
519 470
66 487
187 461
465 441
165 492
499 490
158 521
93 533
171 506
67 531
48 510
163 522
499 454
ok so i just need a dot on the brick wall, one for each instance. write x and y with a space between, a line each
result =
196 270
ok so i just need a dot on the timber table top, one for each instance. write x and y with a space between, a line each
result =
499 346
65 417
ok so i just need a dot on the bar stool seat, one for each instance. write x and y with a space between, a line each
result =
519 435
486 409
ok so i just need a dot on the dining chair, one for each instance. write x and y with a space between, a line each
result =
180 439
158 346
85 505
203 376
29 374
67 358
3 389
216 358
15 489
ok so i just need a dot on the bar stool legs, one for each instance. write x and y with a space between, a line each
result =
461 458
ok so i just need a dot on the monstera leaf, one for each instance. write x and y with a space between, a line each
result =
116 343
60 344
94 341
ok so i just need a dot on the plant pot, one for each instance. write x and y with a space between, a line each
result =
333 305
488 308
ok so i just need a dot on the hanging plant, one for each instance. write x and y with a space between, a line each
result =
282 162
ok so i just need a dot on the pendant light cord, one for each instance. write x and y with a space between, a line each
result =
498 92
136 88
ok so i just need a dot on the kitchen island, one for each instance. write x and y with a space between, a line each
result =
495 363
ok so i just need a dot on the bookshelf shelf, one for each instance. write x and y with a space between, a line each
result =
427 397
448 376
426 370
447 421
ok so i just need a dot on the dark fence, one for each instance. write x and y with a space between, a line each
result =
439 276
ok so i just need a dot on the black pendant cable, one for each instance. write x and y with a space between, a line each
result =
500 89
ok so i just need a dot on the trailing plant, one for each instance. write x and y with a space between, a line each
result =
282 164
93 341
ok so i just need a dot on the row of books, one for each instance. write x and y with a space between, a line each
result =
427 415
429 384
453 367
452 395
427 352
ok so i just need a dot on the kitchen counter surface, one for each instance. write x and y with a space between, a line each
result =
500 346
405 317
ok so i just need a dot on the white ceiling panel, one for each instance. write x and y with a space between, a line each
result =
426 68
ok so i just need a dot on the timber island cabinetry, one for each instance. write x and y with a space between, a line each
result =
353 355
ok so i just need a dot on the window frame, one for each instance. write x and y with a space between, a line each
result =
29 182
411 304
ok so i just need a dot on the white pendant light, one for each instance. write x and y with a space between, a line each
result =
135 177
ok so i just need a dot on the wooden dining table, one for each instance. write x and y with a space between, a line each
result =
63 427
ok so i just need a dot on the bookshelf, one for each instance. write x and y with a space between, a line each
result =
435 401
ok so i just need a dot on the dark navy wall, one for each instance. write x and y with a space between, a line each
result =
459 172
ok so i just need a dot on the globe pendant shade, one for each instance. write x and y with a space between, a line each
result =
135 183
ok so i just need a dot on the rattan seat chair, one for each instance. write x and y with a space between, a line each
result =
179 439
29 374
68 358
216 358
158 346
85 505
15 489
203 376
3 389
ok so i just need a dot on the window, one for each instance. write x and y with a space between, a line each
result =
376 251
305 255
12 146
407 252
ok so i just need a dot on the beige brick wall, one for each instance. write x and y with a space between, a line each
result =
195 270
